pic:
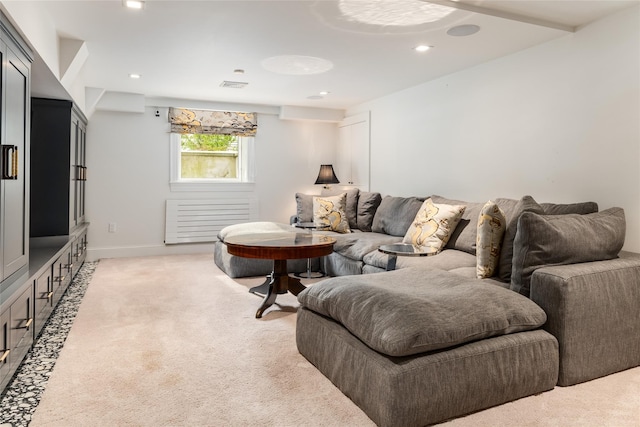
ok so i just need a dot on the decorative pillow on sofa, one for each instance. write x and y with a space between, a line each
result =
395 215
433 225
464 237
547 240
581 208
329 212
367 205
491 226
304 207
512 210
351 208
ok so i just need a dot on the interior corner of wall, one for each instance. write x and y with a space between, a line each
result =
124 102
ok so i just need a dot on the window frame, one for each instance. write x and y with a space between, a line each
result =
246 166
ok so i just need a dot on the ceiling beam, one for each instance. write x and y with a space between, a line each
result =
502 14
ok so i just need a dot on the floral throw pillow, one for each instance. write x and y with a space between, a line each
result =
329 212
491 226
433 225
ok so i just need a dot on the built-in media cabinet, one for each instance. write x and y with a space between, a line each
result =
43 233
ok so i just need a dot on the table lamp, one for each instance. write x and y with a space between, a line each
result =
327 176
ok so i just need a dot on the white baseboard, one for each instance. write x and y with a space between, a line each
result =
94 254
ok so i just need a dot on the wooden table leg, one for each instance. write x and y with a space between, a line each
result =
280 283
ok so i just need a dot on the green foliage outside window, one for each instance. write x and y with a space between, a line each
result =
202 142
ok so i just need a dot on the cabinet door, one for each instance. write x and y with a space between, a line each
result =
74 174
16 132
353 151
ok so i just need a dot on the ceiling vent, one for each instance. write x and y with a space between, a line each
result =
233 85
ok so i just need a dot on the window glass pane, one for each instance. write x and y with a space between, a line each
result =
209 156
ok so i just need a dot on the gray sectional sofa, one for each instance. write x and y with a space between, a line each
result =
430 341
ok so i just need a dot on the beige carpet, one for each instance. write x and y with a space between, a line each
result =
172 341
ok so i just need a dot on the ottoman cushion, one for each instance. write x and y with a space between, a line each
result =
412 310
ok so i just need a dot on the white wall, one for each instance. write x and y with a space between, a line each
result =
128 161
559 121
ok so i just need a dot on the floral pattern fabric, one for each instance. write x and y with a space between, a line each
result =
189 121
433 225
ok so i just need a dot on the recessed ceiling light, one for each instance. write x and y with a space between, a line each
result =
135 75
463 30
422 48
134 4
325 92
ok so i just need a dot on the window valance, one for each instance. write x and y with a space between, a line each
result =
186 120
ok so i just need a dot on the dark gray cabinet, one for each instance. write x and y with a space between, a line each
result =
58 167
14 137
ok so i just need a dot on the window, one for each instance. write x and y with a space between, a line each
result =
210 160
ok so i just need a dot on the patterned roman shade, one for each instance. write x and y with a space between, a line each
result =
186 120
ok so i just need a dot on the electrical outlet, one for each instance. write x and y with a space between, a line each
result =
112 227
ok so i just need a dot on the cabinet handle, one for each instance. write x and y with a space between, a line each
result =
4 355
68 266
60 278
27 325
10 162
49 295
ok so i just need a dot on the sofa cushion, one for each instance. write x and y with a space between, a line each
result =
581 208
512 210
548 240
329 212
412 310
351 208
433 225
395 215
464 236
355 246
304 207
448 259
491 225
367 205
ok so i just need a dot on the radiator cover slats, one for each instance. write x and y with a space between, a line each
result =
196 221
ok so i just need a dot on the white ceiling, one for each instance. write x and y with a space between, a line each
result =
186 49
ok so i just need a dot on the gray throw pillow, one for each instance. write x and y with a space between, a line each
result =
547 240
395 215
304 207
512 210
351 207
367 205
581 208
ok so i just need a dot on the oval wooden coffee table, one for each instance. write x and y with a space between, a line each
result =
279 247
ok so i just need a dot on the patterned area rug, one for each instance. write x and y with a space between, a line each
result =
23 394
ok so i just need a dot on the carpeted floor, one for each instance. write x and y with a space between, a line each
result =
173 341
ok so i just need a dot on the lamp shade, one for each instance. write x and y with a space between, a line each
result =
327 175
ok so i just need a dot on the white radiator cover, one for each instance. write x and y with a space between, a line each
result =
196 221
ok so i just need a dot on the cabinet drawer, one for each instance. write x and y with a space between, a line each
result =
61 276
43 300
5 347
79 251
21 326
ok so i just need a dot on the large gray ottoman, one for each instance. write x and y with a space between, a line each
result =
415 347
235 266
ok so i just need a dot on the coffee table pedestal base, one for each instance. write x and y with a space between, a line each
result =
279 282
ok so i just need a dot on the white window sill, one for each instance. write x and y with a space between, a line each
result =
212 186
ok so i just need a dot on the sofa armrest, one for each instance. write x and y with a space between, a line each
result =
593 309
